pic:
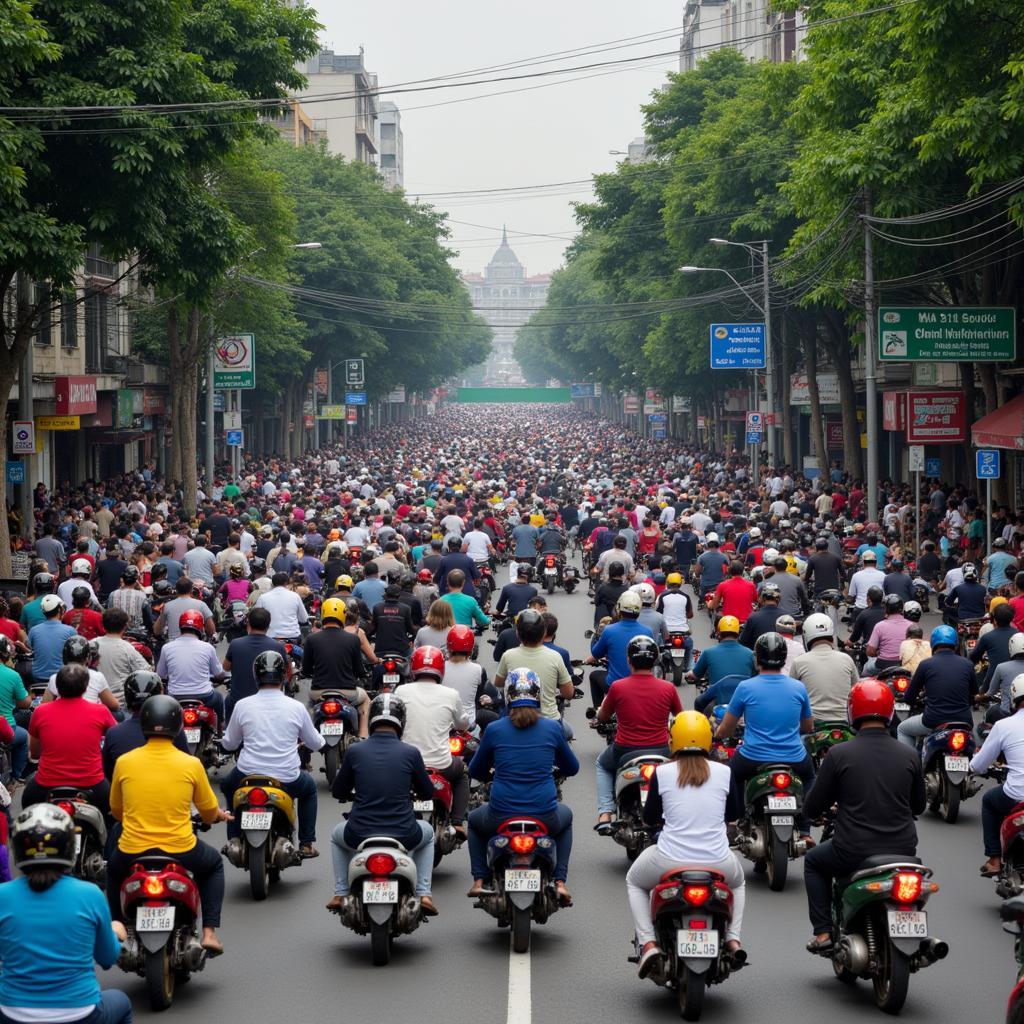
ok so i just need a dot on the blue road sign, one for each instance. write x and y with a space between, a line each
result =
581 391
988 465
754 437
659 433
355 398
658 417
16 472
933 466
233 438
737 346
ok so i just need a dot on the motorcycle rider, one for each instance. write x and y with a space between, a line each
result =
467 677
79 651
736 595
966 601
689 798
641 705
288 615
391 627
514 597
792 595
864 622
612 643
522 750
609 592
268 727
827 674
879 789
711 566
994 646
128 735
190 667
1003 676
649 616
763 620
864 579
824 568
379 776
47 640
723 665
883 646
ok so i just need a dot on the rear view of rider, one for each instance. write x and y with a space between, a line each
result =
828 674
724 665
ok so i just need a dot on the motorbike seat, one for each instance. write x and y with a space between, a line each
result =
381 841
881 860
891 673
655 755
966 726
692 874
65 793
154 861
259 780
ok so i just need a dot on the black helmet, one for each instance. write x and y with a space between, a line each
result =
770 592
131 574
7 650
668 563
770 651
269 669
158 572
258 565
875 594
43 836
161 716
42 583
387 709
76 650
140 686
163 590
642 652
893 603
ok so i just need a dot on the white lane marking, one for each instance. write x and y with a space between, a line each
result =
520 1004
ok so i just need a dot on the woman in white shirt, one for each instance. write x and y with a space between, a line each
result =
688 797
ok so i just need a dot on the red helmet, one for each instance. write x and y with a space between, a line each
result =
870 699
461 640
428 661
425 576
191 619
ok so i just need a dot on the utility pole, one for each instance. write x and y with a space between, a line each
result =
870 357
769 367
22 301
210 415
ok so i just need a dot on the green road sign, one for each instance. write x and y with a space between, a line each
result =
947 334
332 412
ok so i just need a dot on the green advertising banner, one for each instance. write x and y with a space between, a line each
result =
947 334
125 407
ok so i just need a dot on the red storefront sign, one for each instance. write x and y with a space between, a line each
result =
153 403
936 417
834 435
894 410
74 395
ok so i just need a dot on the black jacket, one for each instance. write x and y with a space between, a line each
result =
127 736
996 645
760 622
391 627
865 623
949 683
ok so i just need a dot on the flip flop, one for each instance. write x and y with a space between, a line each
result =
604 828
820 947
990 873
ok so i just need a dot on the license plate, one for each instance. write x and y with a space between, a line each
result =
643 795
332 728
380 892
154 919
423 806
522 880
908 924
782 819
78 843
193 735
390 678
958 764
701 945
549 571
901 706
782 803
257 821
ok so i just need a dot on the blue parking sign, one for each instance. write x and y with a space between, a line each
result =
16 472
933 466
988 463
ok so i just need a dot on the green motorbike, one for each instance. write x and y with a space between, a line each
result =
826 735
767 832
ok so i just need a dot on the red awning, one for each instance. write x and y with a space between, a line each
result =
1003 428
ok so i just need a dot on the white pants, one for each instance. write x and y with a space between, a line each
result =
646 873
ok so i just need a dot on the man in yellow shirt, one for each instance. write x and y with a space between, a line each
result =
152 794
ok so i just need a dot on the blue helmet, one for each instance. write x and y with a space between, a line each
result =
522 690
943 636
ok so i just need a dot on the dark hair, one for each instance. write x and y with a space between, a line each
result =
115 620
456 578
201 540
234 540
279 579
523 718
371 569
43 876
1003 615
72 680
550 624
259 619
736 568
183 586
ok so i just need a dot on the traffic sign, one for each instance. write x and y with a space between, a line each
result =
233 420
24 437
947 334
234 362
332 412
659 433
916 458
16 472
354 373
737 346
933 466
233 438
754 437
755 421
988 465
658 417
355 398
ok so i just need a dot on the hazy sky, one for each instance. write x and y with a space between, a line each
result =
559 133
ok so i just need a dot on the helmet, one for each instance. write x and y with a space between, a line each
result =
236 570
770 651
1016 690
522 690
428 661
667 562
130 574
943 636
786 624
343 583
711 538
818 626
42 582
76 649
770 592
387 709
674 579
1015 645
461 640
690 733
192 619
893 603
162 589
6 648
161 716
869 700
81 567
755 533
269 667
258 565
875 594
43 835
333 608
50 603
140 686
646 594
425 576
729 624
912 610
642 652
996 602
628 605
970 571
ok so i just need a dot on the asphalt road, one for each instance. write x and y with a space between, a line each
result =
287 959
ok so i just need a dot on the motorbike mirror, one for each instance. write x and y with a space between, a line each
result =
591 713
588 633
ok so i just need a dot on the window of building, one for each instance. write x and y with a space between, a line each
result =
45 328
69 320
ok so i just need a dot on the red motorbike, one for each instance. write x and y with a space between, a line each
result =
1012 911
438 813
1010 880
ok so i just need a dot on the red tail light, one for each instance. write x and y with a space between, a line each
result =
696 894
782 780
67 807
958 740
837 734
456 744
390 666
258 797
154 885
647 771
380 863
549 562
288 648
906 887
677 641
902 684
190 716
522 844
331 707
698 924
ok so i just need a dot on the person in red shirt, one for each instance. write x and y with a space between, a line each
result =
64 736
856 499
838 502
87 621
1017 603
9 627
735 595
642 705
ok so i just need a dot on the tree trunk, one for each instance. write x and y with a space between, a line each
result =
174 360
189 384
809 338
838 341
784 409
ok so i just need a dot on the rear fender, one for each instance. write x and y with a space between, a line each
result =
380 913
153 942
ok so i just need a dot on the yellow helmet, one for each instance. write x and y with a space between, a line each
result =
343 583
690 732
674 579
333 608
996 602
729 624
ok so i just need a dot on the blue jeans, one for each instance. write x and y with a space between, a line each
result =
114 1007
483 823
302 789
608 764
422 855
19 752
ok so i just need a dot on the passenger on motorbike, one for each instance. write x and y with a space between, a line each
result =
514 597
522 750
689 799
723 666
128 735
649 616
827 674
883 647
763 620
966 601
612 644
608 593
189 666
642 706
467 677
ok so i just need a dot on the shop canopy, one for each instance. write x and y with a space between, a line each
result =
1003 428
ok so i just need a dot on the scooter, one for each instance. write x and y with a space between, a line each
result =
826 735
90 833
767 832
677 657
1010 881
338 722
946 758
1012 912
632 785
438 814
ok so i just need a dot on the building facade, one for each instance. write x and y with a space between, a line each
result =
506 298
348 115
392 145
749 26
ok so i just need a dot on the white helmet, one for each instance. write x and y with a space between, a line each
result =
50 603
629 604
646 593
1016 644
81 567
912 610
1017 690
712 538
769 555
755 533
818 626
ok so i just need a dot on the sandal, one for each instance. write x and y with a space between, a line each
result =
821 947
604 828
987 872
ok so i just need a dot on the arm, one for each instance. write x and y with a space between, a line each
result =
502 601
479 617
728 726
607 708
308 736
232 738
918 793
822 793
565 687
653 813
990 750
422 785
108 699
806 726
344 779
483 759
565 759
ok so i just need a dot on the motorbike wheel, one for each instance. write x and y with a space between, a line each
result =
549 584
259 875
950 803
677 675
159 979
380 944
520 930
892 980
570 587
690 992
778 863
331 762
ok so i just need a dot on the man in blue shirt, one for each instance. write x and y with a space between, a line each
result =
612 644
999 566
47 640
550 630
727 661
872 543
371 587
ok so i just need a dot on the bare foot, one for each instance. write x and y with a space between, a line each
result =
210 942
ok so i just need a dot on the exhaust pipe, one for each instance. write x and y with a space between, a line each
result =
285 854
931 951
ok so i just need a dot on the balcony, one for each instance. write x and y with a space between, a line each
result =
98 266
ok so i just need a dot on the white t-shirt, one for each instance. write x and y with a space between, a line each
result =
287 612
673 608
694 831
431 712
97 684
464 677
861 582
478 542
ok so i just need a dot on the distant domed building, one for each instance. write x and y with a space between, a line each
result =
506 298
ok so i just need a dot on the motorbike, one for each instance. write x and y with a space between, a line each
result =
1010 881
233 622
391 672
90 833
267 843
338 722
922 593
897 679
1012 912
521 856
551 567
767 831
632 784
570 578
437 812
383 902
967 631
946 758
200 727
828 601
825 736
677 657
880 927
691 908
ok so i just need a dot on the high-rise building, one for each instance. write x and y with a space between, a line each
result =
392 145
749 26
506 298
347 116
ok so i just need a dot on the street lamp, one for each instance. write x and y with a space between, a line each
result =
617 152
